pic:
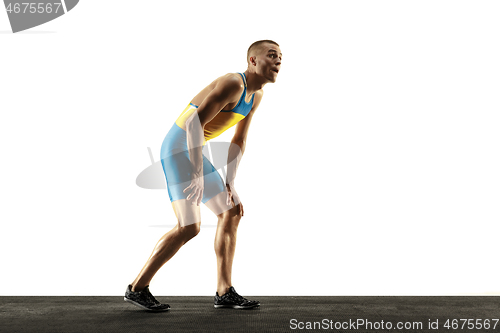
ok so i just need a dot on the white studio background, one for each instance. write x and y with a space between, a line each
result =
371 166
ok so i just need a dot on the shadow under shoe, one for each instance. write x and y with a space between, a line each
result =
144 299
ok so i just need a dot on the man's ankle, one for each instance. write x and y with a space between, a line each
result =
136 288
224 290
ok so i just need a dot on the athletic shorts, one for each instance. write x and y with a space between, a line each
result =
178 169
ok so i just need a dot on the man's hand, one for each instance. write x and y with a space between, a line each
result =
197 190
231 194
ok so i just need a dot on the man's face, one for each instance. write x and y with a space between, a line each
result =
268 61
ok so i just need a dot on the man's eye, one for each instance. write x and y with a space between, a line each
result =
272 55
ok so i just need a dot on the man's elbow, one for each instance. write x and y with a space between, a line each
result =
240 143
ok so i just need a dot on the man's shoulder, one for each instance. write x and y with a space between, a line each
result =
230 83
231 80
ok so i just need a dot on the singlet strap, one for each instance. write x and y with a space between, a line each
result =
244 78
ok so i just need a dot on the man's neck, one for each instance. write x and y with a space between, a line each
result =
254 82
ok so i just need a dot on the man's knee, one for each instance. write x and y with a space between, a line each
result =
189 231
231 216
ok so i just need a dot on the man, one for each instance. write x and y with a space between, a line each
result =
230 100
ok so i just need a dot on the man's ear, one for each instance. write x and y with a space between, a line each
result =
252 61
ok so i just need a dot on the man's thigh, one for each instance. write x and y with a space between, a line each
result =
186 212
218 205
177 169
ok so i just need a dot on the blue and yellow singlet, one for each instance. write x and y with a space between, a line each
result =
224 119
174 151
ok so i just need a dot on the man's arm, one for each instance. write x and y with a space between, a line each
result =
237 147
226 91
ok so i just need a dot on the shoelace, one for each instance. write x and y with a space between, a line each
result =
236 297
152 298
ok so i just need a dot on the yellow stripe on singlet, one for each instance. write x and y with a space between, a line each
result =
220 123
188 111
215 127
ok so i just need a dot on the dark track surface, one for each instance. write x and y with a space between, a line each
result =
197 314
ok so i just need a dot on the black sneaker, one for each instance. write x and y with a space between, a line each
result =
144 299
231 299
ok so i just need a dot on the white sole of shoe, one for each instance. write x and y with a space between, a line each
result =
235 306
142 306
